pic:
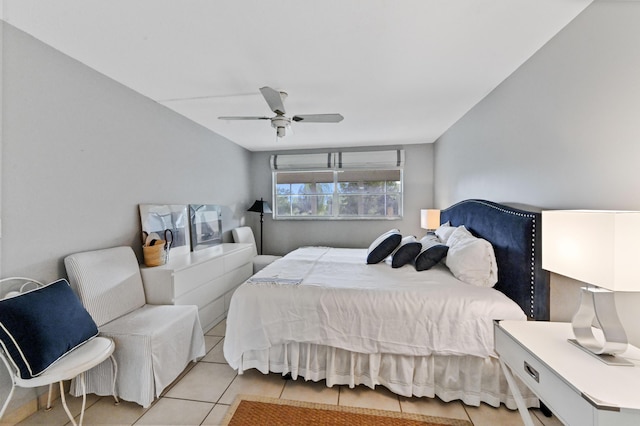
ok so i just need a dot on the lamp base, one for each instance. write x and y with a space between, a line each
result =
606 358
599 304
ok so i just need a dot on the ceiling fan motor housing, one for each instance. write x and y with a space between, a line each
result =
280 123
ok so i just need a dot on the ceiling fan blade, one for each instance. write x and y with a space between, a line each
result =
319 118
274 99
244 118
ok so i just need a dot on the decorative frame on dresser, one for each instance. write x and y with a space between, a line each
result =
578 388
206 278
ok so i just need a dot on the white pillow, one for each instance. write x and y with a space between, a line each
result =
444 231
471 260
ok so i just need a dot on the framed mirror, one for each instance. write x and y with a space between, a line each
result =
155 218
206 225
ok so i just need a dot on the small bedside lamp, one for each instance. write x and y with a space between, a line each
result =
600 248
429 219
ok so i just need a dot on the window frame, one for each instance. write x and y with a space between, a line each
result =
335 195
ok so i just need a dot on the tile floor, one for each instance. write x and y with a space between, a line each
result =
202 395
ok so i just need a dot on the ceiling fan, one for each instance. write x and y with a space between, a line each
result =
280 122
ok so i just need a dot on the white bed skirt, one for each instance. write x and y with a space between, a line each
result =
470 379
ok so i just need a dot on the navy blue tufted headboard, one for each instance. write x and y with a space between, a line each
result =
516 238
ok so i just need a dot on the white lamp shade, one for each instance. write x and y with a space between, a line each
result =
429 218
601 248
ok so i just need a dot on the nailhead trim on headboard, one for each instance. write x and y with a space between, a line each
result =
532 253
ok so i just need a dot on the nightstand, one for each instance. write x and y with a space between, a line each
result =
578 388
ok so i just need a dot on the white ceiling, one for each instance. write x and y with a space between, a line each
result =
399 71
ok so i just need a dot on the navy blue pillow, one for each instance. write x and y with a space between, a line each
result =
39 327
430 256
405 254
383 246
433 251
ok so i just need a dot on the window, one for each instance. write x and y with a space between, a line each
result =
338 194
300 194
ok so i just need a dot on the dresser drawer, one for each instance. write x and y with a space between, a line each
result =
238 276
212 313
213 289
188 279
572 410
237 259
204 294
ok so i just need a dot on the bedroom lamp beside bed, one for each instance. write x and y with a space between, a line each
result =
429 219
599 248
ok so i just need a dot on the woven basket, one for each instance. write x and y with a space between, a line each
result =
156 254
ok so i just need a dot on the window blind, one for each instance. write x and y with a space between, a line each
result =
339 160
302 161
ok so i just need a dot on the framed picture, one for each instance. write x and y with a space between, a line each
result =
156 218
206 225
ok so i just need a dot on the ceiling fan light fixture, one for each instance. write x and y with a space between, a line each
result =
280 123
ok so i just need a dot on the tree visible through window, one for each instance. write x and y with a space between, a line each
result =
341 194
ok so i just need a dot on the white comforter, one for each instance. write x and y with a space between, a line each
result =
330 296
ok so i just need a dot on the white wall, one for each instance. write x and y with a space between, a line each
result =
282 236
562 132
80 152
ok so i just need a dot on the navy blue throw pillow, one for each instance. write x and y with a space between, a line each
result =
405 254
39 327
383 246
431 256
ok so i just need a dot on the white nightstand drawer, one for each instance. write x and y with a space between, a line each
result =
544 382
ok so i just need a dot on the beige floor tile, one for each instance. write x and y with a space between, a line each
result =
253 382
105 412
210 342
57 415
205 382
216 354
219 329
216 416
362 396
168 411
179 378
301 390
433 407
485 415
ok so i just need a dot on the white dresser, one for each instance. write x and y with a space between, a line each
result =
206 278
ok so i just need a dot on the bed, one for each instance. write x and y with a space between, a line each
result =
322 313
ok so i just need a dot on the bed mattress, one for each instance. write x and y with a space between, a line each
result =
331 297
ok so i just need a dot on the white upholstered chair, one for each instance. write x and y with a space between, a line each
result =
244 234
154 343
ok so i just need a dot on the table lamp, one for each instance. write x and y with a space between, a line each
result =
262 207
429 219
601 249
